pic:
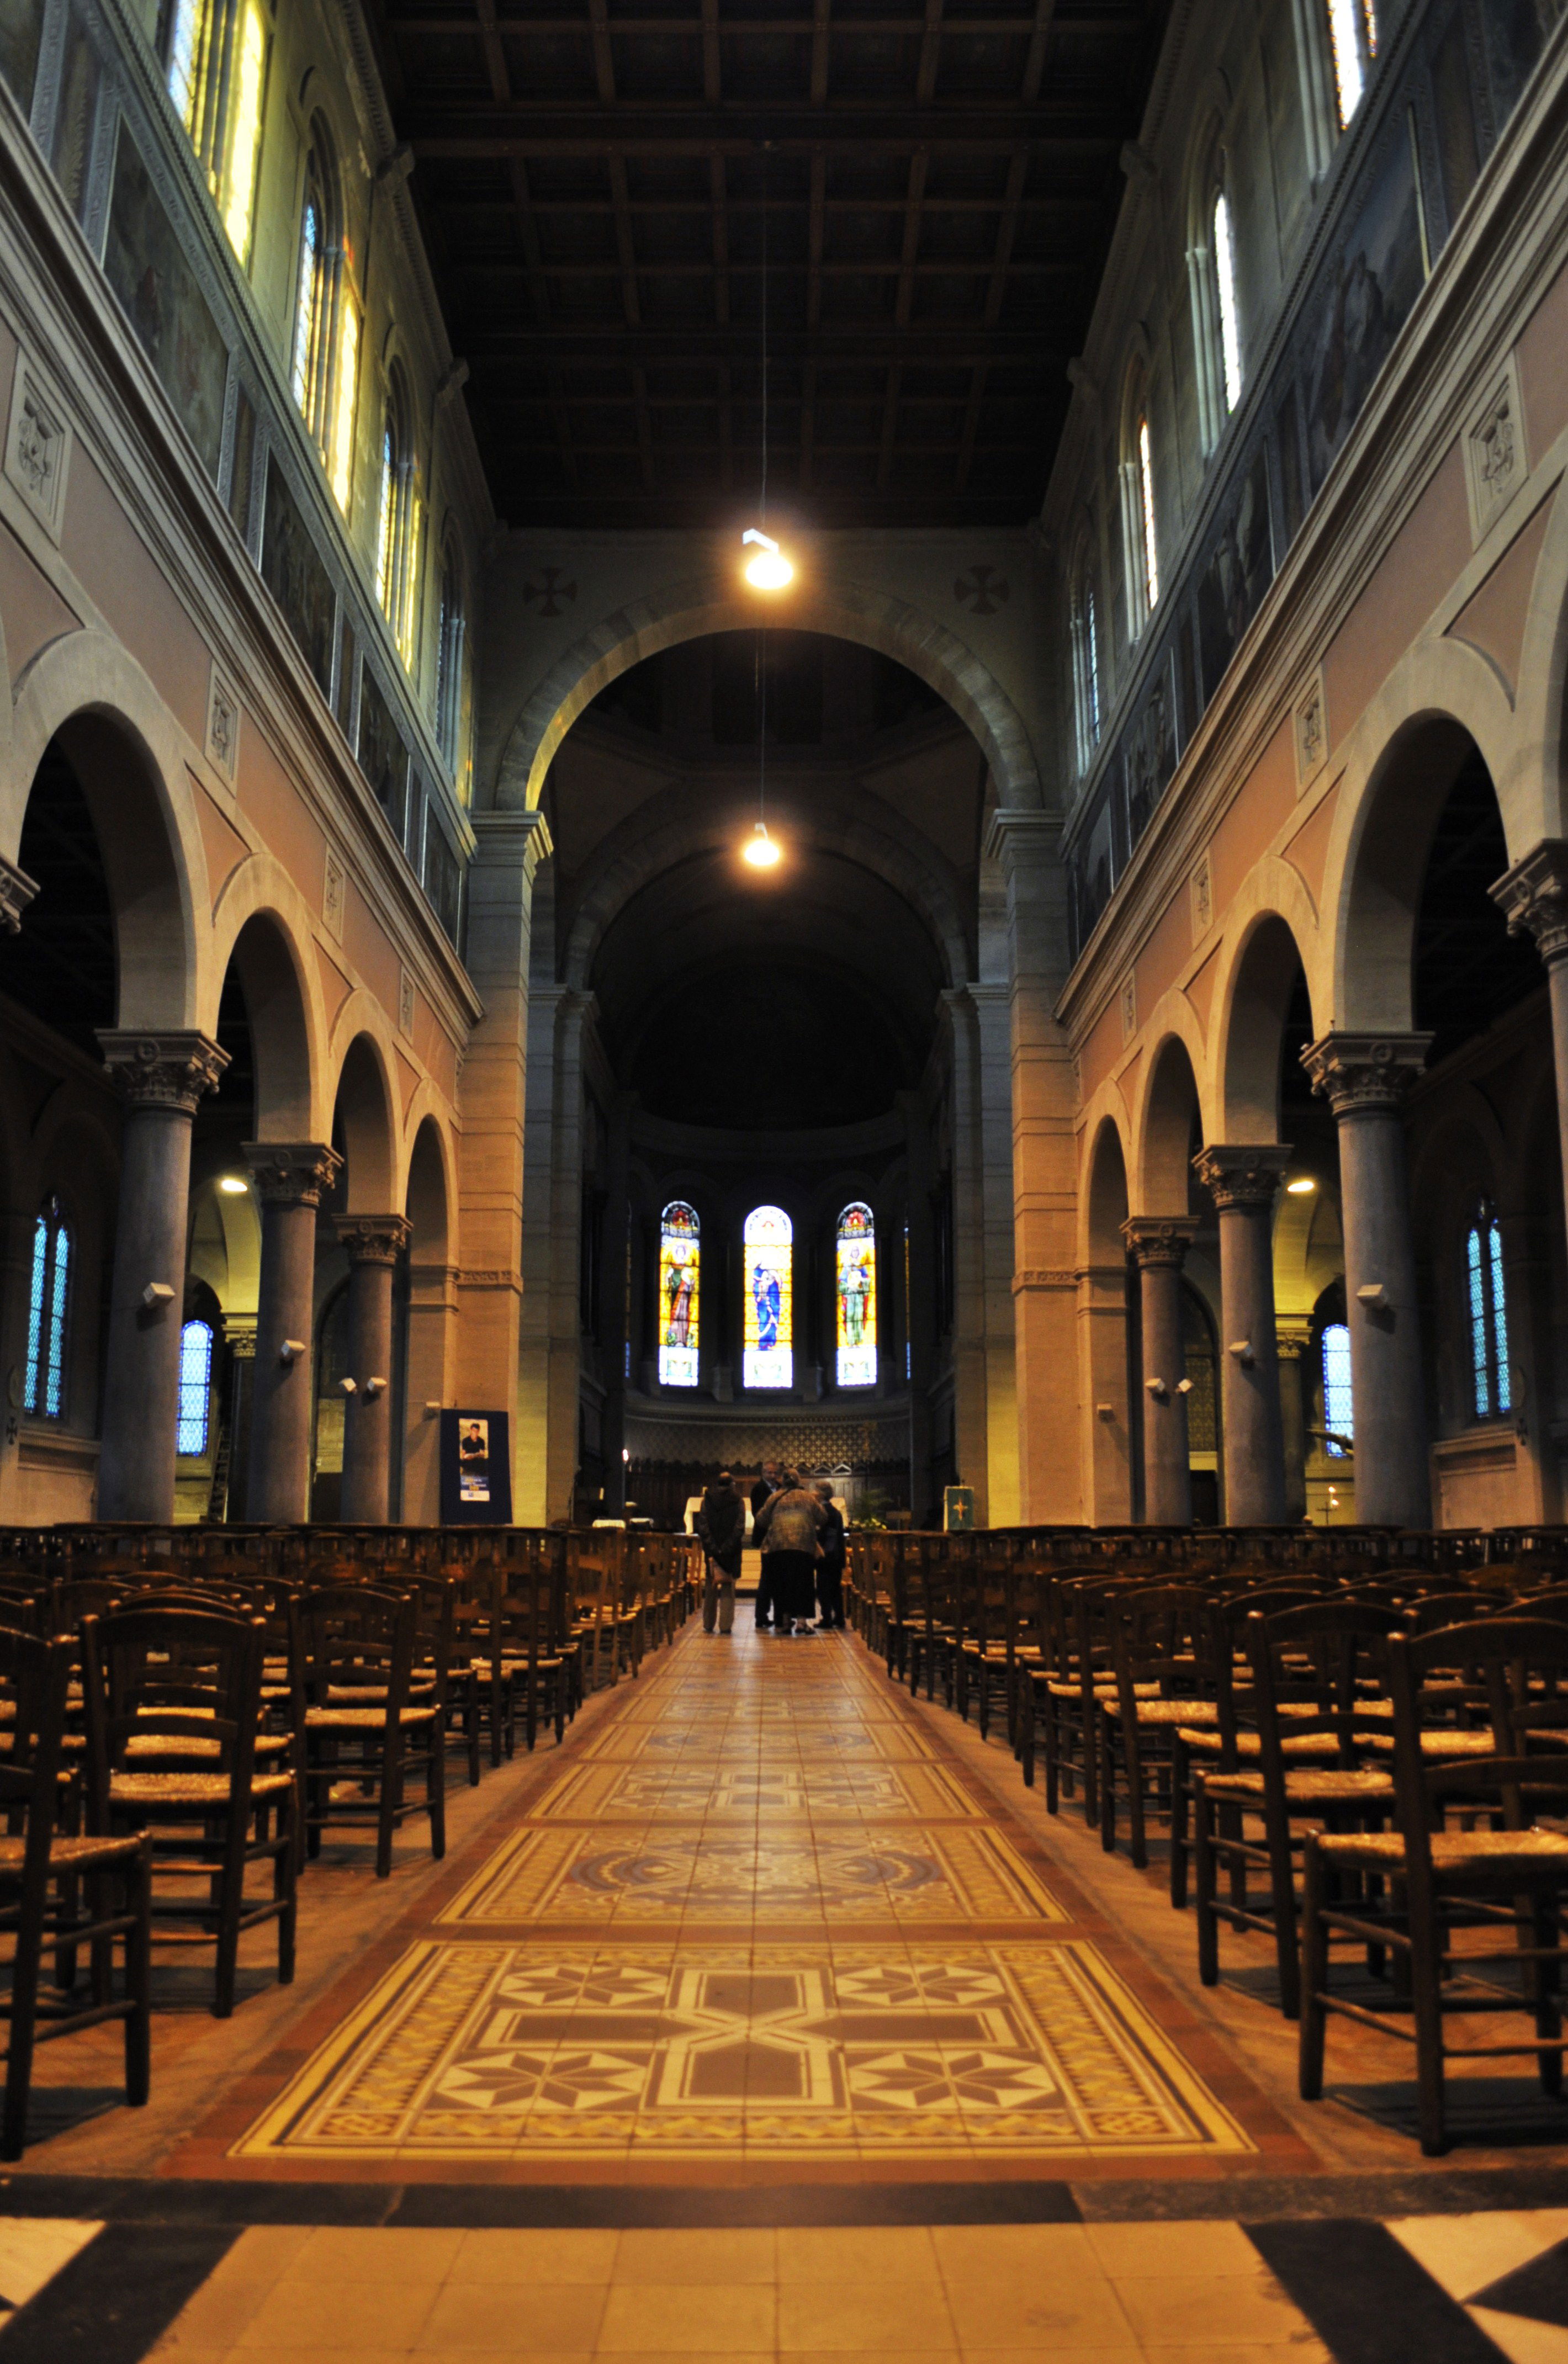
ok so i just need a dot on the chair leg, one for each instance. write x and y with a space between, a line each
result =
435 1792
25 1970
1133 1754
1181 1795
1103 1746
1203 1887
1313 1974
285 1889
1282 1882
230 1887
1426 1973
1547 1988
391 1791
138 1980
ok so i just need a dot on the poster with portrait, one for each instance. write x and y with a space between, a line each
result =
476 1469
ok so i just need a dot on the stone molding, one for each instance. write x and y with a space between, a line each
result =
169 1071
1358 1072
1159 1241
291 1173
1533 897
17 891
1243 1174
1046 1278
372 1238
1293 1334
1016 835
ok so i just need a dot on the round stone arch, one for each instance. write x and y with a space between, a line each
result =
1272 927
636 854
88 688
1173 1079
361 1069
263 921
1539 771
1438 696
1103 1194
686 611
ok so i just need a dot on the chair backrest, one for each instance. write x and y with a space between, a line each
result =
1159 1633
1522 1665
352 1637
173 1673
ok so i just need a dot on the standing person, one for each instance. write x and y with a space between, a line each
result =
831 1567
790 1527
766 1485
721 1527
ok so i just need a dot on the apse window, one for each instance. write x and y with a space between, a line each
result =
768 1350
325 370
1486 1298
1145 517
1338 1407
195 1387
1352 43
1085 666
452 675
855 1297
680 1301
43 1394
397 524
216 53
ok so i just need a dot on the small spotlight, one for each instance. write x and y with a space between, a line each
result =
1300 1190
233 1187
760 852
770 570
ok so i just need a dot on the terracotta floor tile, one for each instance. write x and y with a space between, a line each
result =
570 2254
1024 2308
1198 2310
697 2256
882 2318
709 2318
531 2319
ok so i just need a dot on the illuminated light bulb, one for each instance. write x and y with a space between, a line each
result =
232 1187
760 852
768 569
1300 1190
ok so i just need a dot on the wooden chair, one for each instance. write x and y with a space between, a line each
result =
1163 1682
174 1699
1308 1664
359 1734
1506 1882
37 1857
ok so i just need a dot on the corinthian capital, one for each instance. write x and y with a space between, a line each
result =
1246 1174
372 1238
1364 1071
291 1173
1533 897
169 1071
17 891
1160 1240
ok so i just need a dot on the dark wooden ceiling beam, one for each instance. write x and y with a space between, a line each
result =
567 128
1065 263
1079 208
936 344
688 28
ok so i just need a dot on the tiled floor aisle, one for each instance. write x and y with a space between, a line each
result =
762 2029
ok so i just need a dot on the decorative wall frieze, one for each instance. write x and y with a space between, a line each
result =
223 726
1496 458
1364 1071
38 444
1200 898
1127 1001
334 895
169 1071
1047 1276
1309 731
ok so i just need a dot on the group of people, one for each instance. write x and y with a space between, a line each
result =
800 1531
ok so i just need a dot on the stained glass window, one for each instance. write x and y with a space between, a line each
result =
679 1294
1230 320
1352 40
196 1387
44 1394
1487 1303
855 1297
1145 517
218 76
768 1360
1338 1416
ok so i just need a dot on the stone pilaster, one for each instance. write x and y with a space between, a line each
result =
1364 1078
161 1077
1293 1335
1533 895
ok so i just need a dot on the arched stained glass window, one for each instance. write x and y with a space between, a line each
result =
1487 1303
398 522
217 53
1149 553
1225 289
196 1387
768 1360
1338 1417
1352 41
855 1297
48 1299
679 1294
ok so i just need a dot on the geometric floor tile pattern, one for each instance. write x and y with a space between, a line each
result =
755 1915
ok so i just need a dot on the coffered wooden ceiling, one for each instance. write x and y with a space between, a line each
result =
601 182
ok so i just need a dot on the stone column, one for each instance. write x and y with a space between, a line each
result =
612 1304
161 1077
1364 1078
374 1244
969 1410
1045 1185
1534 897
1160 1245
1293 1335
1244 1180
289 1177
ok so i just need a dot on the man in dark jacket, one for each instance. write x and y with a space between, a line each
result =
789 1529
721 1530
766 1485
831 1567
